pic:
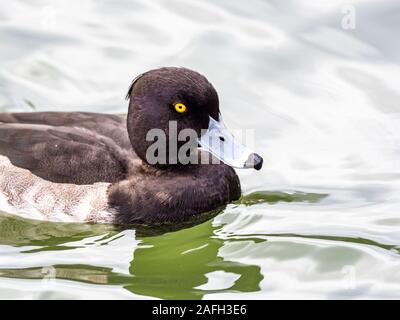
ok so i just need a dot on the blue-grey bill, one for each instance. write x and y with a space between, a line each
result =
218 141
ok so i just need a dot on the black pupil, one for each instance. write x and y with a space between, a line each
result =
222 139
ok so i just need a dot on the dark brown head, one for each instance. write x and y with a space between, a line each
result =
175 95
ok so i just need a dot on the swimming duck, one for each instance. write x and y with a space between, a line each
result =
91 167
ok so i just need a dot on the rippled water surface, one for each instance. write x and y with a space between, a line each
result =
321 220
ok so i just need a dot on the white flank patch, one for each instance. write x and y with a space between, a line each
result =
27 195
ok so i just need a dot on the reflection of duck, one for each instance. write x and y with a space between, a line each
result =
177 266
173 265
81 166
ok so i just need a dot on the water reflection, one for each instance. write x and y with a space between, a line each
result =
175 265
198 258
171 265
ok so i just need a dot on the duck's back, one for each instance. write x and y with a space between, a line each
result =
77 148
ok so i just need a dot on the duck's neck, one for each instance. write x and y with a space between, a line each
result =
172 194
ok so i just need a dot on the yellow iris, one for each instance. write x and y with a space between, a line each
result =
180 107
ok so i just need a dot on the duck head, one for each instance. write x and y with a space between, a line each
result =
178 100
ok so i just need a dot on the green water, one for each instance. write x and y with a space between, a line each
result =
166 264
198 259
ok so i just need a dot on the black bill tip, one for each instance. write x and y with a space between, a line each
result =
254 161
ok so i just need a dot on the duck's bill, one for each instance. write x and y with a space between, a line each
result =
218 141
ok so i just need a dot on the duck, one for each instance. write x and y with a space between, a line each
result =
105 168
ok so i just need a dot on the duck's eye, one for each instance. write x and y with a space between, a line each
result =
180 107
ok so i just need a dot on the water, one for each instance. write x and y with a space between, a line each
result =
321 220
